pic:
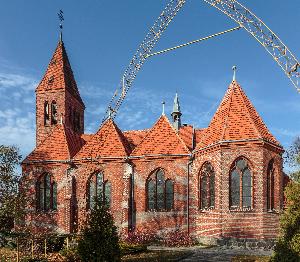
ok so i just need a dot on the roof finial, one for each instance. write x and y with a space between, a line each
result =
110 111
234 68
163 107
61 18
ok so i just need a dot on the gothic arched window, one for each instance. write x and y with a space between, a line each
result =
240 184
98 190
46 113
53 113
160 192
207 186
270 185
46 190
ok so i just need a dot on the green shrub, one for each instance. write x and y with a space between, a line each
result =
70 254
55 243
288 246
100 241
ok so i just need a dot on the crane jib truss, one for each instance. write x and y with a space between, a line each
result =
231 8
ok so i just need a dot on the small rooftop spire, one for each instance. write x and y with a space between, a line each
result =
176 114
163 107
234 68
61 18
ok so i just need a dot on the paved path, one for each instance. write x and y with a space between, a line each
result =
215 254
221 255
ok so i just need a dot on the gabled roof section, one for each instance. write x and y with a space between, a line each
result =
162 138
235 119
61 144
108 142
135 137
59 74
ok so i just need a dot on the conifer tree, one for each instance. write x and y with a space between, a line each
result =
100 240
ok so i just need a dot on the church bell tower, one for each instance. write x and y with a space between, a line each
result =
57 97
176 114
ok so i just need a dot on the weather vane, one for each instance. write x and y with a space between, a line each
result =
61 18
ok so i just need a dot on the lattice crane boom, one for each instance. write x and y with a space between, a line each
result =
140 56
263 34
231 8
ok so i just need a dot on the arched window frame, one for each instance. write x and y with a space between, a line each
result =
54 112
104 187
206 194
164 205
270 186
241 172
46 193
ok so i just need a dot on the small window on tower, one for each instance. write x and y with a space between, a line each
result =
46 113
50 80
53 113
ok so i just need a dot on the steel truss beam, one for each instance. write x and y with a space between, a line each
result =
231 8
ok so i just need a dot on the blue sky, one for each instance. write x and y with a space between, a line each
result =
101 37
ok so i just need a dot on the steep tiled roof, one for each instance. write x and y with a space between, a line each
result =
109 141
135 137
186 134
61 144
235 119
59 74
162 138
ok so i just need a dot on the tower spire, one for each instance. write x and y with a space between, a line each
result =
176 114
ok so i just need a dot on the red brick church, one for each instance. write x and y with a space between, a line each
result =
224 181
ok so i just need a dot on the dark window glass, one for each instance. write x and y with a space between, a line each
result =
169 194
99 190
247 188
42 194
46 193
107 190
54 196
53 113
92 193
241 185
270 186
160 192
151 195
235 188
212 189
46 113
207 186
203 187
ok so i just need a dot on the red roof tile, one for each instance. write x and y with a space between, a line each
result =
59 74
162 138
135 137
235 119
109 141
186 134
61 144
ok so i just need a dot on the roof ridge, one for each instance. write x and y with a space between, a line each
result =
151 130
230 102
246 100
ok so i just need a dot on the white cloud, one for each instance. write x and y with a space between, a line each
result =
17 119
